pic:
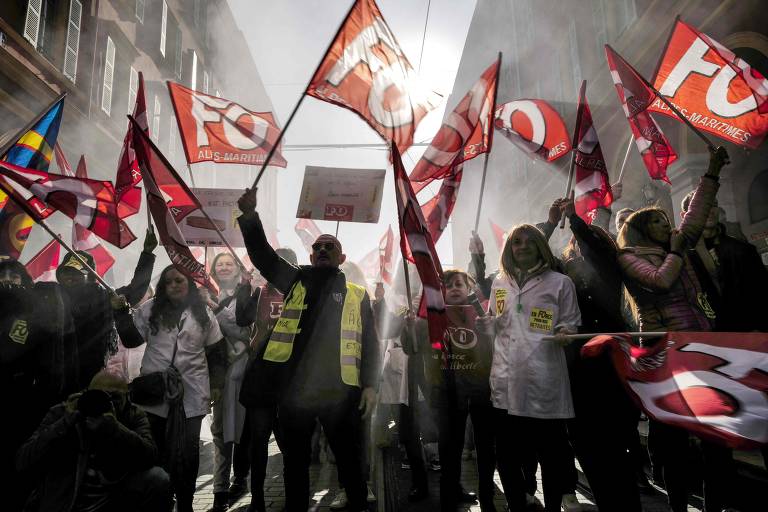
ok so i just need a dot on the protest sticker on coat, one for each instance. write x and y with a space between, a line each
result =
221 206
336 194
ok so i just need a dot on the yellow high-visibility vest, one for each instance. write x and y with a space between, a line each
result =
280 344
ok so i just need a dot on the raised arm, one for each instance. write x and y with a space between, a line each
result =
647 275
704 198
139 284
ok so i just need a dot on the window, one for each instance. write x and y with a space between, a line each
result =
32 22
205 82
573 43
163 26
156 121
109 75
140 4
177 67
133 88
193 78
73 40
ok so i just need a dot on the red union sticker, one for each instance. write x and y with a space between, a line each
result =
338 212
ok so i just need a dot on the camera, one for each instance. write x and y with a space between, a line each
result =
94 402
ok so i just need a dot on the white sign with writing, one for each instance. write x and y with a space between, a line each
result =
350 195
221 206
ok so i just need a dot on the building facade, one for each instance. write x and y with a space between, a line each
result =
93 50
549 47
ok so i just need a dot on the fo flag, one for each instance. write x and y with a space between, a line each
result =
128 174
307 231
417 246
366 72
716 91
221 131
437 211
635 99
465 133
592 189
714 384
42 266
169 201
535 127
387 256
90 203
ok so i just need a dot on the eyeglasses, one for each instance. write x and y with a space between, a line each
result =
328 246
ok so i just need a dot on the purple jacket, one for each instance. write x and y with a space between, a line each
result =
668 294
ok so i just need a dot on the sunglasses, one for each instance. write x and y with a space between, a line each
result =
328 246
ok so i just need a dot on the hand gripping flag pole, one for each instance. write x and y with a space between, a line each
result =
574 144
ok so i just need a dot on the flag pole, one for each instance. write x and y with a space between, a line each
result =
197 201
41 223
626 156
191 176
337 228
301 99
587 336
12 141
574 147
482 190
490 144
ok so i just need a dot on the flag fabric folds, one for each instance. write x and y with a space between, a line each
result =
465 133
42 266
535 127
128 174
307 231
437 211
387 256
33 150
498 235
635 98
90 203
366 72
711 383
716 91
417 246
591 186
221 131
169 201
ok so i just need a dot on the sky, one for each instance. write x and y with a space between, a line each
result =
287 40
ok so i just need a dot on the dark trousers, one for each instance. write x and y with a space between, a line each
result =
549 439
410 437
183 485
451 423
260 422
718 468
241 454
148 490
341 424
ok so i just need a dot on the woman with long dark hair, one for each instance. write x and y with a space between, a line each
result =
180 331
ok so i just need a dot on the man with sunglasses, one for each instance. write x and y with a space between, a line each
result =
321 359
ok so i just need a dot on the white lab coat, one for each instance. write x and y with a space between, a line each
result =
190 357
238 339
394 375
529 376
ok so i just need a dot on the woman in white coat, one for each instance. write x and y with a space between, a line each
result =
530 390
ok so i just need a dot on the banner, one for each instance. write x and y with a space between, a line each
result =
336 194
635 98
221 206
42 266
535 127
221 131
366 72
128 174
714 384
591 186
437 211
716 91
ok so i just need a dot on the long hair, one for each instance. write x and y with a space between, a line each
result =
213 267
14 267
634 233
507 263
162 304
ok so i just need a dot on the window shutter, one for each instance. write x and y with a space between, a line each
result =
73 40
133 88
156 120
163 26
140 4
178 53
109 75
32 23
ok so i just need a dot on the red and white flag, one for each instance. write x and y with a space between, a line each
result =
42 266
714 384
635 98
366 72
90 203
307 231
535 127
128 174
221 131
716 91
437 211
387 256
591 186
170 201
465 133
417 246
498 234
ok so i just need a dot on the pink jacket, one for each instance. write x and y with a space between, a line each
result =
668 294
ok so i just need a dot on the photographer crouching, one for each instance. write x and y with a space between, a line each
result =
95 452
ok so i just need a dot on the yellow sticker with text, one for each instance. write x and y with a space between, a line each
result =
19 332
501 300
541 320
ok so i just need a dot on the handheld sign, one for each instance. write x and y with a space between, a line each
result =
336 194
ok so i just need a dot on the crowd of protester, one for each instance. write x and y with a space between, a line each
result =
109 391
